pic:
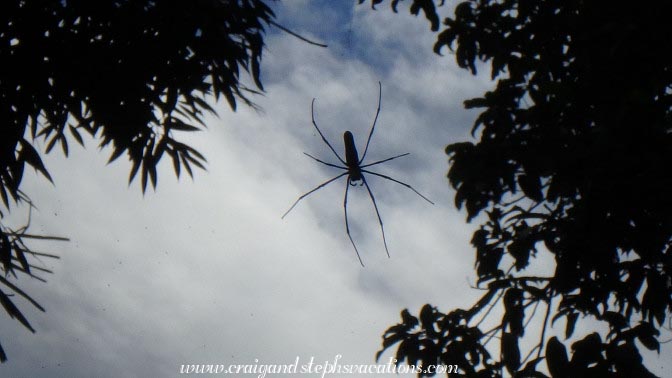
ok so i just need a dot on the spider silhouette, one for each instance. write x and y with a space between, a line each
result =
354 169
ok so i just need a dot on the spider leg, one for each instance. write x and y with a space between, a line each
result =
323 162
384 160
347 226
380 94
311 191
312 114
380 220
399 182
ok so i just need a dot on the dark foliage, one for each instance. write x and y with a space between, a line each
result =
130 73
572 160
14 257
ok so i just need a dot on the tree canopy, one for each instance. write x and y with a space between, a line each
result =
573 162
131 74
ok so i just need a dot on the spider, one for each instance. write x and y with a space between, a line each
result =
354 169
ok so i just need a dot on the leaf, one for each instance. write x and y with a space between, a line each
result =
428 317
200 102
556 358
64 145
134 170
628 361
17 175
394 5
390 340
13 311
520 250
144 177
587 351
46 131
230 99
650 342
194 161
408 319
479 102
646 334
186 165
3 356
177 124
480 238
530 369
406 349
531 186
459 148
52 143
20 292
116 153
149 167
654 301
22 258
5 252
510 352
3 193
429 9
30 156
513 311
256 70
487 263
75 133
374 3
176 161
463 11
152 175
571 322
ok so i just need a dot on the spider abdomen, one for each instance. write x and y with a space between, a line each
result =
352 157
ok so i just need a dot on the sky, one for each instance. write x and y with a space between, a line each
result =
205 271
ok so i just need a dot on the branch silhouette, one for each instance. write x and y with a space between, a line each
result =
570 161
134 76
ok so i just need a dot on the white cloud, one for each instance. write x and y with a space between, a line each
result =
207 272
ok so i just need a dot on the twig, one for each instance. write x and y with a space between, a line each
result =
475 287
543 330
492 335
501 293
294 34
534 311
